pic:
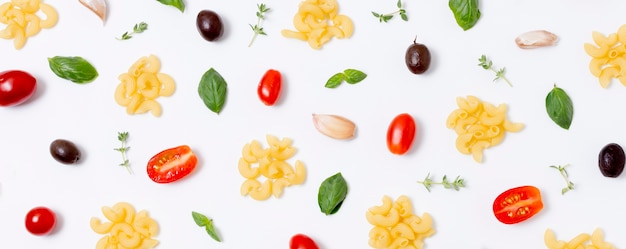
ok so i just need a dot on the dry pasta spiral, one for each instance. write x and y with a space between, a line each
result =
318 21
22 21
125 228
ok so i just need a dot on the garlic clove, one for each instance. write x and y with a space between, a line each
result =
536 39
334 126
99 7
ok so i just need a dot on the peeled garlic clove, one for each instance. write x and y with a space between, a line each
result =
97 6
334 126
536 39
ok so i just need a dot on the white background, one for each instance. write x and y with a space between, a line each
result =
88 116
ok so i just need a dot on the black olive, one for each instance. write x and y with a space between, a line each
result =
611 160
417 58
209 25
64 151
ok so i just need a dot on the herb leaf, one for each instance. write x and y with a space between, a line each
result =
74 68
332 193
488 65
353 76
466 12
258 30
179 4
559 107
334 80
387 17
137 29
565 175
212 90
202 221
123 137
456 184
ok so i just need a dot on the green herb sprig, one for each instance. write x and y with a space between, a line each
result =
137 29
565 175
123 137
456 184
260 14
488 65
202 221
387 17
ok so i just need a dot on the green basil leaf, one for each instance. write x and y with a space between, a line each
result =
559 107
179 4
200 219
466 12
74 68
332 193
212 89
335 80
353 76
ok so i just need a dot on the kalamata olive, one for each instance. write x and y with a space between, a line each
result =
611 160
64 151
209 25
417 58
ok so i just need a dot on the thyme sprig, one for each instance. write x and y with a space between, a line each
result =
123 137
565 175
456 184
137 29
386 17
257 28
488 65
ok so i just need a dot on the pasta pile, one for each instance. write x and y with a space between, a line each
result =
22 20
608 56
272 165
578 242
395 225
125 228
479 125
142 84
318 21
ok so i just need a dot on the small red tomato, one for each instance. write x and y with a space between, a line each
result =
172 164
400 134
269 87
16 87
517 204
40 221
301 241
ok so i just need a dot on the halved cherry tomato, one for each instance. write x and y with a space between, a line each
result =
301 241
269 87
40 221
517 204
172 164
400 134
16 87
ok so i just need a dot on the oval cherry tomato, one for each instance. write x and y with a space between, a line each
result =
40 221
269 87
517 204
301 241
400 134
172 164
16 87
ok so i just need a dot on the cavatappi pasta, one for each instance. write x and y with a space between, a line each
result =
125 228
479 125
318 21
581 241
22 21
272 165
608 56
141 85
396 226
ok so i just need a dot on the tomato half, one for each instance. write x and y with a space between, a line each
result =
16 87
269 87
172 164
40 221
517 204
400 134
301 241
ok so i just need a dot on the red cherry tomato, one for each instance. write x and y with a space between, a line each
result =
269 87
301 241
16 87
40 221
400 134
172 164
517 204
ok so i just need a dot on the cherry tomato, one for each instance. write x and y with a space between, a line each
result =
172 164
269 87
301 241
16 87
400 134
517 204
40 221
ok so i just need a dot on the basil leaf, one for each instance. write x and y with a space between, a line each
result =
75 69
211 231
212 89
335 80
466 12
353 76
332 193
179 4
200 219
559 107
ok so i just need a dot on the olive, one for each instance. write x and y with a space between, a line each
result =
209 25
611 160
417 58
64 151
